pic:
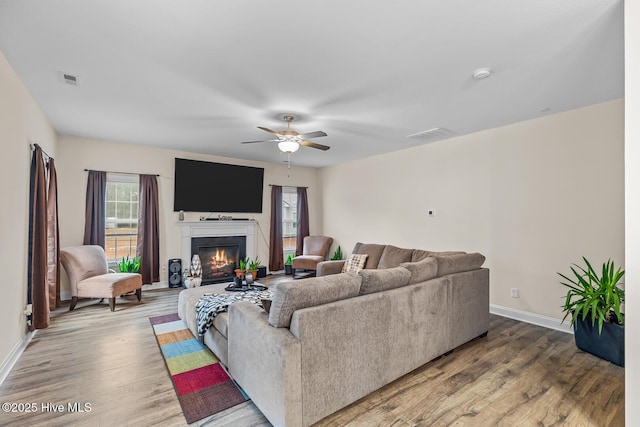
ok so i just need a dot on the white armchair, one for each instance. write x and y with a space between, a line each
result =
89 276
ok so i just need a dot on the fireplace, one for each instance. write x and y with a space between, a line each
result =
200 231
219 256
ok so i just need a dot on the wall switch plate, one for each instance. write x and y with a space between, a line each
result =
431 212
515 293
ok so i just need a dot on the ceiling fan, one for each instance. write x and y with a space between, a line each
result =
289 140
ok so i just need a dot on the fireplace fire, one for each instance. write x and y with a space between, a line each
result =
218 262
219 256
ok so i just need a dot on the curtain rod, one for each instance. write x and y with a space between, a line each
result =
291 186
33 148
127 173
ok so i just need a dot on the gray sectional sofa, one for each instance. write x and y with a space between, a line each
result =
333 339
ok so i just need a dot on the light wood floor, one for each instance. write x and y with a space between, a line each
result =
519 375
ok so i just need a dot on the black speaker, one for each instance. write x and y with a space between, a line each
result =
175 273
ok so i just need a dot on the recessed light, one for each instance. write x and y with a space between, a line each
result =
481 73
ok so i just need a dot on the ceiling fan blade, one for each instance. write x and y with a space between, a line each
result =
314 145
268 130
316 134
262 140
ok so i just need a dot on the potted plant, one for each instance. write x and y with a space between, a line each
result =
288 264
337 254
596 299
242 267
129 265
252 267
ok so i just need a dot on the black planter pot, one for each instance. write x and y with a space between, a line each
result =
608 346
288 269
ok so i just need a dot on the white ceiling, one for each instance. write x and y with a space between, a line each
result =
200 75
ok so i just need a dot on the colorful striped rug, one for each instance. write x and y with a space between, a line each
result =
201 383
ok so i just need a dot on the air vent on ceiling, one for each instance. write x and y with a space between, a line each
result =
70 79
433 134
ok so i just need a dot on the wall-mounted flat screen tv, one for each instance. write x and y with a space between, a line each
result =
217 187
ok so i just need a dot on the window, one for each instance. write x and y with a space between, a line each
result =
289 220
122 216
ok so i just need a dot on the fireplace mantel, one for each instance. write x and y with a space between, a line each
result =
191 229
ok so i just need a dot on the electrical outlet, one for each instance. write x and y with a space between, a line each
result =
164 268
515 293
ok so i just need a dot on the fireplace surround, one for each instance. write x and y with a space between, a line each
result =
196 236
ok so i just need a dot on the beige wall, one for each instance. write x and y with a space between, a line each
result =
21 123
533 197
77 154
632 199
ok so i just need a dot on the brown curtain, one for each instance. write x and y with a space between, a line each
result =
302 219
53 239
148 248
276 253
38 291
95 213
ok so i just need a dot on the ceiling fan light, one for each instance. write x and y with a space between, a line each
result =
288 146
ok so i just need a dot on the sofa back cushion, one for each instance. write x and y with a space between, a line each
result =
426 269
458 263
419 255
82 262
383 279
373 250
297 294
393 256
447 253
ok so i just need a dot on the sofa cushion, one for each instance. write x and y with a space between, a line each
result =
354 263
425 269
393 257
221 324
373 250
297 294
108 285
446 253
459 263
379 280
419 255
307 262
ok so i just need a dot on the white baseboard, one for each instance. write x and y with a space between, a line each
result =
14 355
534 319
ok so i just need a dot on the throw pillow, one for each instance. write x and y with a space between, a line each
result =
383 280
354 263
298 294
